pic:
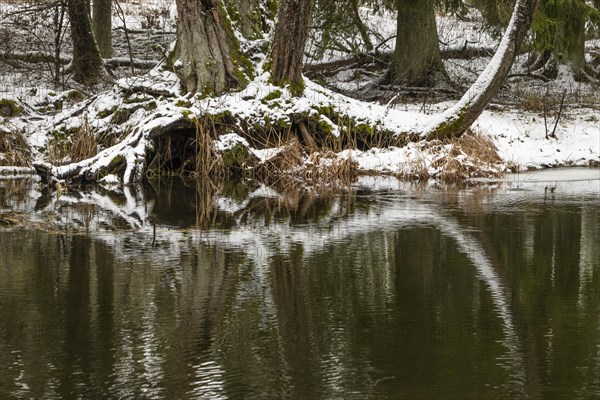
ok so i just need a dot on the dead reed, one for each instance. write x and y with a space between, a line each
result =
14 150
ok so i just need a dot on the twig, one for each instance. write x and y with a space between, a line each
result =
545 114
122 17
562 103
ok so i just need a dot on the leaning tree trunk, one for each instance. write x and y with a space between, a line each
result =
102 24
87 63
417 60
211 60
457 119
291 32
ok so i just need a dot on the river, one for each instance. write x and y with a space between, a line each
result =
190 289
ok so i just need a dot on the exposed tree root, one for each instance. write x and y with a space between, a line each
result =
128 156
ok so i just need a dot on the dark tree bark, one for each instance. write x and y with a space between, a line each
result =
291 31
572 36
456 120
211 59
417 60
102 24
249 17
87 63
561 38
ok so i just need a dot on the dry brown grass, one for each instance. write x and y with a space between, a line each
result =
292 165
472 155
207 162
14 149
415 170
327 168
283 164
84 143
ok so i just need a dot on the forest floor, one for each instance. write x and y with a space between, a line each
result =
531 124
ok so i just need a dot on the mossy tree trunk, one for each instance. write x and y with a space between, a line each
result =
251 17
457 119
102 24
212 62
87 62
291 32
417 60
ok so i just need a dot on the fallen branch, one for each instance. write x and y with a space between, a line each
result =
115 62
529 75
448 53
144 31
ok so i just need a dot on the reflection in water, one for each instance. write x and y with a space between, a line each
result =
197 290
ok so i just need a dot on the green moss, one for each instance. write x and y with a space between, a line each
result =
365 129
236 157
324 126
276 94
75 96
268 64
187 114
183 103
272 8
63 133
222 116
9 108
121 115
449 128
326 110
233 12
105 113
152 105
116 161
207 91
171 58
243 69
297 87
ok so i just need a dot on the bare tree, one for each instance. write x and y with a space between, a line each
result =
291 31
87 62
417 60
102 24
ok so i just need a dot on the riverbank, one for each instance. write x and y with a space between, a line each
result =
144 126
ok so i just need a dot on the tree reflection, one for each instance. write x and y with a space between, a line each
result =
301 294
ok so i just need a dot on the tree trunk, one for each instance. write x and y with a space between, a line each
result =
102 24
574 38
457 119
291 31
249 17
212 62
562 35
87 63
417 60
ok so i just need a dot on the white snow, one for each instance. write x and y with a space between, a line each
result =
520 136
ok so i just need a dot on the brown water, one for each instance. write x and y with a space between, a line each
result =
187 290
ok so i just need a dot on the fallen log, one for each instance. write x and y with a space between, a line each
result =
35 57
448 53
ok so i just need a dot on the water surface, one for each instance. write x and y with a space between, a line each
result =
188 289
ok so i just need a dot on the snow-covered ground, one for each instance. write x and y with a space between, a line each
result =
522 137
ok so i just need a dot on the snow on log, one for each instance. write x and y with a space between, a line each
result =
458 118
